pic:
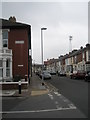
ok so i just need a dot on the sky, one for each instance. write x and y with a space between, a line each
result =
61 19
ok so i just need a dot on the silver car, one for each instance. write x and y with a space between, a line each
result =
45 75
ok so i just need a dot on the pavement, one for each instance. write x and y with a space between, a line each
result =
35 88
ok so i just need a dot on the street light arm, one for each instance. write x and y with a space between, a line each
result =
43 28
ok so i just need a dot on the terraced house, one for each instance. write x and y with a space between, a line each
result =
88 57
74 61
15 47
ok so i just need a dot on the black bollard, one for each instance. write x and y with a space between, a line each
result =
19 87
25 79
29 81
42 83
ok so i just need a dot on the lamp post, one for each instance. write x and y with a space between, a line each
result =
70 47
70 50
34 66
42 50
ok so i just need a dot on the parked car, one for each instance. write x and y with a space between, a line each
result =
80 74
87 77
60 73
52 72
37 72
45 75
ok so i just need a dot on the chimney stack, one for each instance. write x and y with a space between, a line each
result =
81 47
12 19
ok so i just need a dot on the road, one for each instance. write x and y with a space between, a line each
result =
51 105
75 90
69 102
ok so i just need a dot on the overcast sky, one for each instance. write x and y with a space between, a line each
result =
62 19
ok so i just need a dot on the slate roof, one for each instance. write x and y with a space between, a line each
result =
8 24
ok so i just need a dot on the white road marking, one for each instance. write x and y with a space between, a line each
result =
33 111
56 102
71 106
66 100
58 94
57 106
51 96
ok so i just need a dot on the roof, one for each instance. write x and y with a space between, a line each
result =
37 65
8 24
77 52
51 61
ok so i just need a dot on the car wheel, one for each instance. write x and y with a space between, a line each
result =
75 77
71 77
85 79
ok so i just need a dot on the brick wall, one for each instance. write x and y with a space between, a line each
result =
19 51
12 86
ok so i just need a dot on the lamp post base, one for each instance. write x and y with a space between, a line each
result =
42 83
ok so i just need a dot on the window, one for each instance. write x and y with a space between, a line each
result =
75 59
88 55
87 67
1 63
75 67
5 38
1 72
1 68
8 67
71 59
8 63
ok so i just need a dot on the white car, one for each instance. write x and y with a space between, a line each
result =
60 73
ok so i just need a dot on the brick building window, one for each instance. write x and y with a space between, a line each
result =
5 38
75 59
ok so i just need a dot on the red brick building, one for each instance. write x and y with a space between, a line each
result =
18 40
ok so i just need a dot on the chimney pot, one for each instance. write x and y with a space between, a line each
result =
12 19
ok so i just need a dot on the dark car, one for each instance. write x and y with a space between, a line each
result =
60 73
80 74
87 77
